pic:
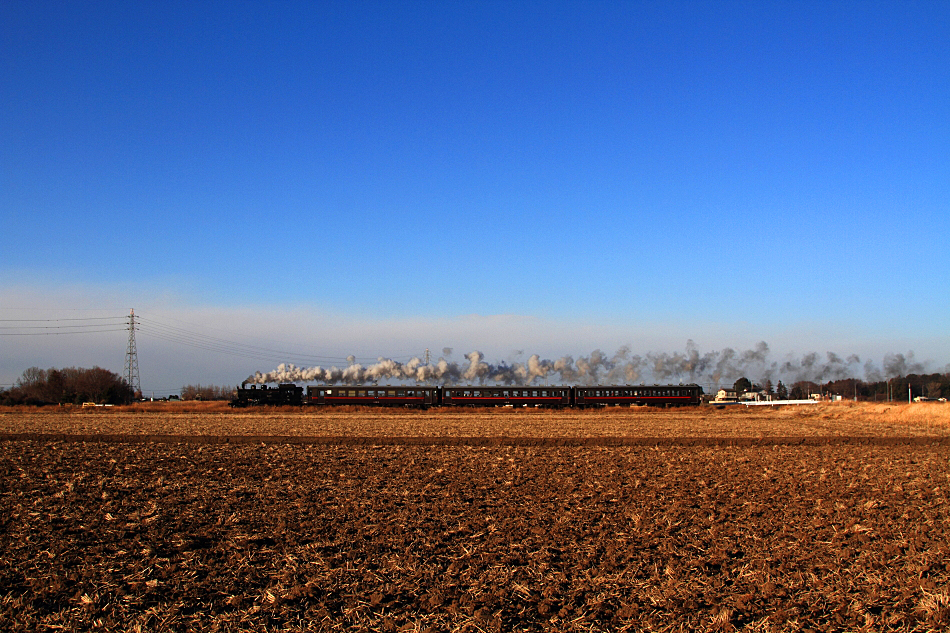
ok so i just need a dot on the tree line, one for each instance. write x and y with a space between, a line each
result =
71 385
925 385
76 385
206 392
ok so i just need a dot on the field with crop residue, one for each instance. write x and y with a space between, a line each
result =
474 521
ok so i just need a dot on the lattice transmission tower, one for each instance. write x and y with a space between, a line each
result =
132 359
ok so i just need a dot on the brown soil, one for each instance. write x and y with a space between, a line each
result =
266 536
840 420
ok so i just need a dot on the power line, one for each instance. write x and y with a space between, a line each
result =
55 320
52 327
192 327
60 333
159 329
214 344
85 325
163 331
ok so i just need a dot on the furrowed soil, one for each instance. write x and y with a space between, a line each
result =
216 422
180 518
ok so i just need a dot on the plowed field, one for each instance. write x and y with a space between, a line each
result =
838 420
575 522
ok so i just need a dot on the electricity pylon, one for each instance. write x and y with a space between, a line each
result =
132 360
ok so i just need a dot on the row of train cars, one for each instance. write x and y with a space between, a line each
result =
423 397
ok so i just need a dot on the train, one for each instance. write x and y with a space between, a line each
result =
423 397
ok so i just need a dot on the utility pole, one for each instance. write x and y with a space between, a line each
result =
132 360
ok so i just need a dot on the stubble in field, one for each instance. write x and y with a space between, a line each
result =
214 419
165 537
179 519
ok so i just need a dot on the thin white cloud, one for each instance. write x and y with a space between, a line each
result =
182 341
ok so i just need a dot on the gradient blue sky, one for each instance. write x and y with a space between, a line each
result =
649 173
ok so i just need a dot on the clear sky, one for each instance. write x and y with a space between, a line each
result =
376 178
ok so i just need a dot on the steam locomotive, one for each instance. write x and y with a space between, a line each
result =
423 397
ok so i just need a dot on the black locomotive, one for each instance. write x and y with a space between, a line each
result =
283 394
423 397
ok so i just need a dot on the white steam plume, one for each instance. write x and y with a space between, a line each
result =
716 368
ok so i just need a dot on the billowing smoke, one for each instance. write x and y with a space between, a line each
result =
900 365
812 367
711 369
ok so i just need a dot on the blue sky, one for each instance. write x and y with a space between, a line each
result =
644 173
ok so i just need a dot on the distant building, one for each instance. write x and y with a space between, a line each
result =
756 396
726 395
